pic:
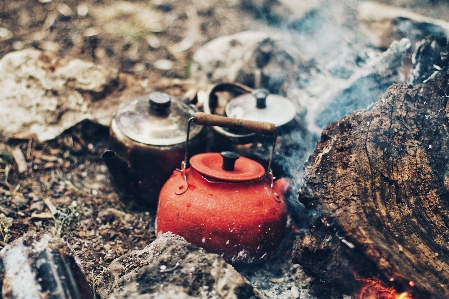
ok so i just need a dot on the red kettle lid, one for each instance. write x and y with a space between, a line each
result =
227 166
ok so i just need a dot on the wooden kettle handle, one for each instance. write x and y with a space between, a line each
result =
258 127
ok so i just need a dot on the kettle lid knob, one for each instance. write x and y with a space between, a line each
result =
261 97
159 101
229 159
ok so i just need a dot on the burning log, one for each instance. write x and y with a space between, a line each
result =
380 179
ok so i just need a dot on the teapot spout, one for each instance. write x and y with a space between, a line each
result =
119 169
281 186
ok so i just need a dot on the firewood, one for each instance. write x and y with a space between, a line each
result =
380 179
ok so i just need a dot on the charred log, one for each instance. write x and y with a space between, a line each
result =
41 266
380 179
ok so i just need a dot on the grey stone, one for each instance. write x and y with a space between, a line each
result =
172 268
289 11
384 24
251 57
19 202
41 266
43 95
328 98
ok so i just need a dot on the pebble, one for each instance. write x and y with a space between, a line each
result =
163 64
5 33
154 42
19 202
64 10
277 280
37 206
82 10
295 292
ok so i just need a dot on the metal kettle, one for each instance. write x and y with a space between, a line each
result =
226 203
239 101
147 142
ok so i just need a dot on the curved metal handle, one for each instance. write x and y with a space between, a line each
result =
258 127
230 87
212 101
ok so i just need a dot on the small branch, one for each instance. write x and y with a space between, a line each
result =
20 159
51 206
44 215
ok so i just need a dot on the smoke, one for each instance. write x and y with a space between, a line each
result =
340 73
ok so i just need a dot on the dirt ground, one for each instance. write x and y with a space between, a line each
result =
153 39
67 173
68 170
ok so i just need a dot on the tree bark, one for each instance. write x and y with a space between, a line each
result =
380 179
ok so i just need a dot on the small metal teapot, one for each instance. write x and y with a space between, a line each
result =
226 203
239 101
147 141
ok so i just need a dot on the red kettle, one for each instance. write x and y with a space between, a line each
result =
226 204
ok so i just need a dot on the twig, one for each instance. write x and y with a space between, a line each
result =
6 211
80 139
7 169
5 184
51 206
170 269
30 149
14 192
20 159
44 215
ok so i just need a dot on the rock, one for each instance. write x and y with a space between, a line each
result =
19 202
172 268
256 59
288 11
44 95
126 18
429 57
384 24
41 266
38 206
329 97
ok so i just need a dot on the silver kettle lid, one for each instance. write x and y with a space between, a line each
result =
260 105
156 119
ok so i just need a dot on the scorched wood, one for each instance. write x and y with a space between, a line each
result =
380 179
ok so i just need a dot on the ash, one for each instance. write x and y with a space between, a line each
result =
279 277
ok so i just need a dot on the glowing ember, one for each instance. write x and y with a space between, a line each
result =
295 229
373 289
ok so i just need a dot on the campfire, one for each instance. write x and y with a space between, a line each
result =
374 289
326 120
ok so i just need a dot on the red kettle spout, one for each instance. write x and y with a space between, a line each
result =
281 186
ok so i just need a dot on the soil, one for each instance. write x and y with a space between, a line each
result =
67 173
61 27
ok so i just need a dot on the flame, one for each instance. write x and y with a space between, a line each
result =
373 289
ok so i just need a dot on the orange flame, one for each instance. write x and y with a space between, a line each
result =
373 289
